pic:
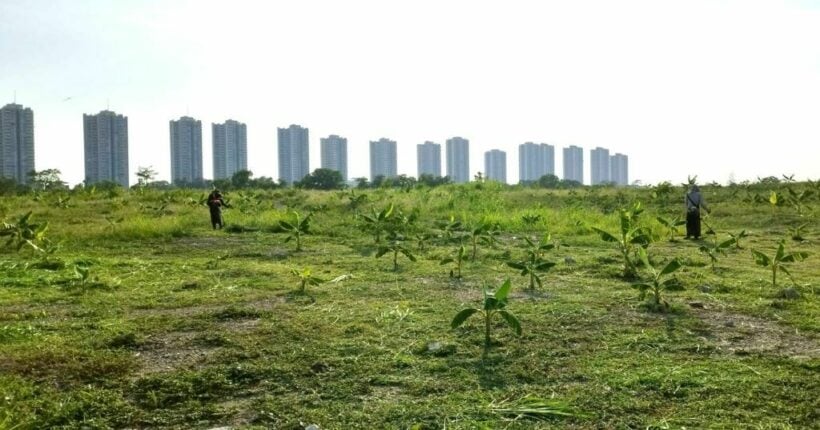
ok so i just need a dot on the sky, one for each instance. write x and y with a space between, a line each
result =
722 89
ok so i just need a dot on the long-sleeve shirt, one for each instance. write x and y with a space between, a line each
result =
694 201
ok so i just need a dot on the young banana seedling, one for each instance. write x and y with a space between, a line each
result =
779 261
305 279
395 244
458 259
533 265
630 236
494 304
660 280
296 229
671 226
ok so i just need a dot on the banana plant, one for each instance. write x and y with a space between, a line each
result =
450 229
671 226
798 200
534 265
395 244
305 279
24 233
779 261
796 232
737 238
458 259
657 283
484 233
494 303
296 229
530 219
378 222
714 250
630 236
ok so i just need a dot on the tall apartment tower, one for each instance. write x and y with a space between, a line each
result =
334 154
458 160
230 146
599 166
105 137
186 151
535 161
16 142
619 169
383 158
574 164
495 165
428 156
294 157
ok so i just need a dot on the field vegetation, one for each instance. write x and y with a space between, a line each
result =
500 307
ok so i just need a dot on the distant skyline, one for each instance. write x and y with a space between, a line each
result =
723 90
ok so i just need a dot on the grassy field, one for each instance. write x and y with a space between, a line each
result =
141 316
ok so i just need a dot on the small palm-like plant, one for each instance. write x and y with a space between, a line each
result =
296 229
630 235
458 259
484 233
715 249
534 265
378 222
796 232
737 238
530 219
779 261
395 244
798 200
24 233
671 226
305 279
494 303
657 283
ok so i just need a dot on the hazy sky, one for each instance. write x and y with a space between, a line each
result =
714 88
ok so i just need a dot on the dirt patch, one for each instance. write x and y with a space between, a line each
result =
179 350
744 334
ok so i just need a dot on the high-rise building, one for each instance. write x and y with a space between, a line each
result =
16 142
383 158
619 169
495 165
334 154
428 156
599 166
535 161
458 160
294 156
105 138
186 151
230 147
574 164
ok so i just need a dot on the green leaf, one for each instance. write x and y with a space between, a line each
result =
761 259
671 267
382 250
727 243
780 252
462 316
644 257
516 265
544 266
503 290
446 261
407 254
512 321
606 236
642 286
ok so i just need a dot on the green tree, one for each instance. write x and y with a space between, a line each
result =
242 179
323 179
48 179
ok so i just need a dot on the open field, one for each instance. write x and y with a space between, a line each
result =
141 316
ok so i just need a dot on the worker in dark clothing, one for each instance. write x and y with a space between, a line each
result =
694 201
215 203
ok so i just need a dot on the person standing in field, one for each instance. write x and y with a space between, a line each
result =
215 203
694 201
